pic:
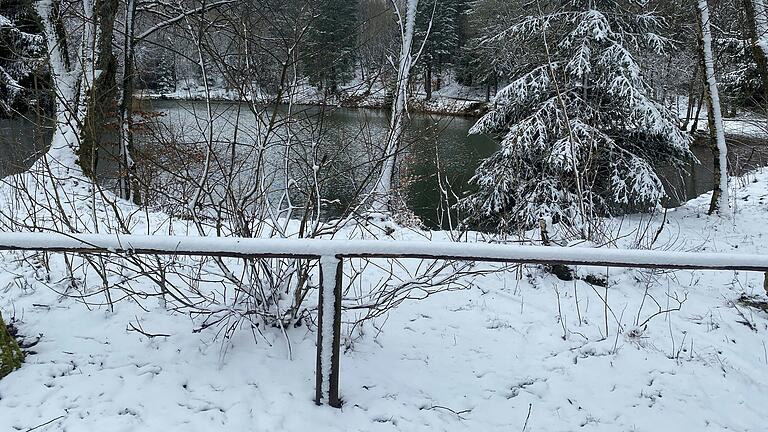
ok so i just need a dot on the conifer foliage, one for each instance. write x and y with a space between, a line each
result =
22 57
331 44
579 133
437 29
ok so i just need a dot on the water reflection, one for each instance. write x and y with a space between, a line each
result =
744 154
21 143
439 156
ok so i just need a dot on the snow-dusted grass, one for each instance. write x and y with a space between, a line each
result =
516 352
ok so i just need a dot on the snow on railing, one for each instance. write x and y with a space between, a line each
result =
332 252
316 248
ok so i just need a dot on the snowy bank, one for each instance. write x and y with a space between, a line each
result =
522 350
451 100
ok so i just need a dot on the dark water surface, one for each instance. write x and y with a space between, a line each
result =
21 143
435 144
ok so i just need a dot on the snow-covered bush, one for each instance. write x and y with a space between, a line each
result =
580 134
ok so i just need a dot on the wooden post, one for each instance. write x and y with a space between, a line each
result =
765 282
329 345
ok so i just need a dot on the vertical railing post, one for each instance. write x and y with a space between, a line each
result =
765 282
329 332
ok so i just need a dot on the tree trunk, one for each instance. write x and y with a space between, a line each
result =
382 191
757 28
691 99
101 102
61 157
127 185
695 125
720 199
428 81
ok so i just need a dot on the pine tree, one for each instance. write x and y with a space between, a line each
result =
479 62
437 21
579 133
22 54
742 83
331 42
757 29
158 70
740 33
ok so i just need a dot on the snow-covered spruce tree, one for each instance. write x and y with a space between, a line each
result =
23 75
579 133
156 69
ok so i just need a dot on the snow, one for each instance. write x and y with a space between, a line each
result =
452 99
327 250
328 268
745 124
521 349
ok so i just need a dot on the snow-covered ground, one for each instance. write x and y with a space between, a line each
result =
521 351
745 124
452 98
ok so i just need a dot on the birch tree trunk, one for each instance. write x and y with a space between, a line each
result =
127 188
720 197
61 156
382 192
79 104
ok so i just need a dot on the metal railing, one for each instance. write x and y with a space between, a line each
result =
331 254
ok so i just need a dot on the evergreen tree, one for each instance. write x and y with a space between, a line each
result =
738 32
741 80
22 59
479 63
331 42
579 133
157 70
437 21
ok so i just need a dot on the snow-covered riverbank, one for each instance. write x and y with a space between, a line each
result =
520 351
452 99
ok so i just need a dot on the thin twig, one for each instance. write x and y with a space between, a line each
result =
527 417
458 413
45 424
